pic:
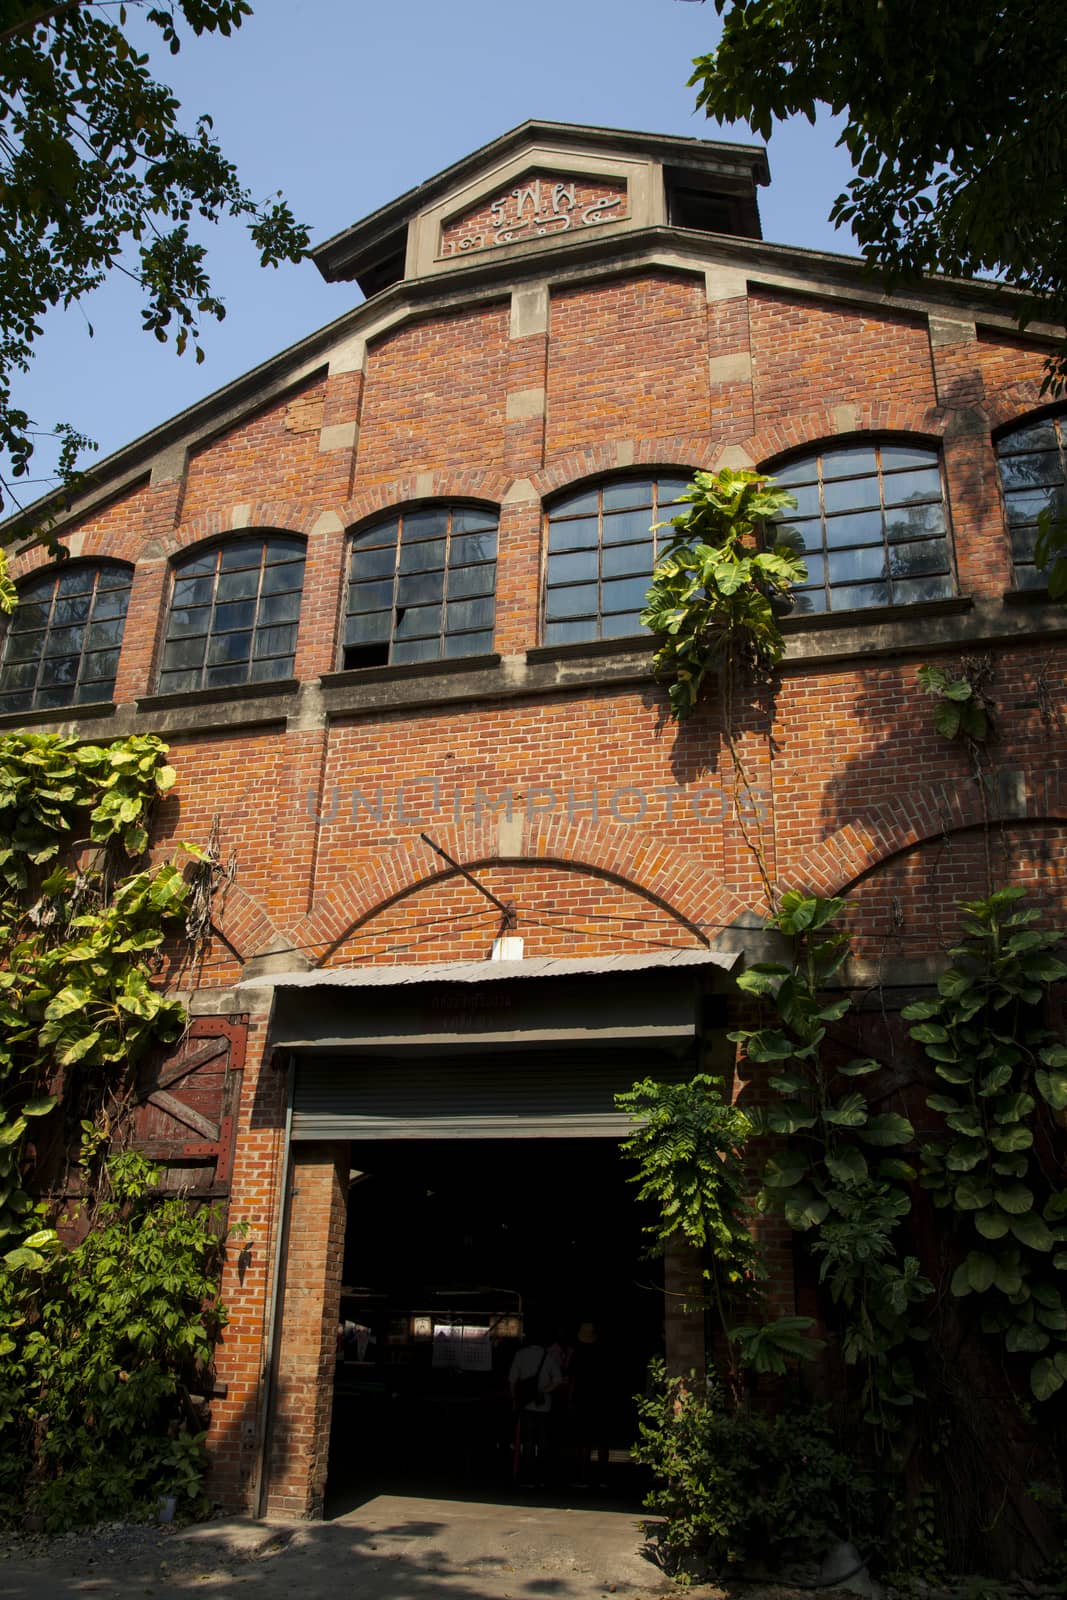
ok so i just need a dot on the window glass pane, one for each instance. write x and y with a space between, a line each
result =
418 622
584 500
24 646
79 581
414 650
912 560
99 669
112 603
797 472
183 653
49 698
238 585
103 635
187 621
1029 506
369 627
229 647
668 490
800 535
15 702
625 526
923 484
916 589
271 667
275 642
113 577
28 616
379 533
859 527
420 589
911 522
472 547
625 559
570 632
470 580
1025 472
625 594
422 557
242 614
73 609
377 563
861 594
1029 578
279 608
809 602
852 494
19 675
469 644
895 456
62 669
576 601
573 568
242 553
846 566
64 642
851 461
219 677
816 566
1037 436
370 596
469 614
630 492
465 519
193 591
281 580
621 625
430 524
283 549
583 533
807 500
178 682
198 566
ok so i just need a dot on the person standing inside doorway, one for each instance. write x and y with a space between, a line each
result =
534 1379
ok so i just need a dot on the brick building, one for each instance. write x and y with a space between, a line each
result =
380 597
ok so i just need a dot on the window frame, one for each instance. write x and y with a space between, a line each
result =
57 575
659 511
383 648
825 517
1020 566
181 572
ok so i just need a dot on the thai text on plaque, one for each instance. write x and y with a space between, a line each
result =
537 208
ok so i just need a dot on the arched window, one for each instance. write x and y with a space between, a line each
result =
61 646
421 587
1031 461
871 525
234 610
601 552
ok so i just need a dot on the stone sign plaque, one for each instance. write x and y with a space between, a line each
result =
539 206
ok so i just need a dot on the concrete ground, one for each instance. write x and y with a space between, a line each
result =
393 1547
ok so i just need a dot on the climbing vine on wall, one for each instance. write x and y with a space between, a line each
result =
80 934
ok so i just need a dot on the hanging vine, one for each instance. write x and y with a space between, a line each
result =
714 602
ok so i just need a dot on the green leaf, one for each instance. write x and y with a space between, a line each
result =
847 1165
981 1271
785 1170
1014 1198
1030 1230
1045 1379
1026 1336
929 1033
851 1112
973 1194
888 1128
991 1224
805 1209
896 1170
768 1044
1052 1086
860 1067
39 1107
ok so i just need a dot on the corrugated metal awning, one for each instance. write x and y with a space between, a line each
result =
401 973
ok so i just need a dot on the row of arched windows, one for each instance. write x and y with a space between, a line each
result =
871 522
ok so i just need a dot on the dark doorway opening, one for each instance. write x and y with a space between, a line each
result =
454 1248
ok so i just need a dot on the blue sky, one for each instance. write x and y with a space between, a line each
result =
343 106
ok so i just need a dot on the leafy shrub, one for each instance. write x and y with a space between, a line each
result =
101 1345
735 1486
